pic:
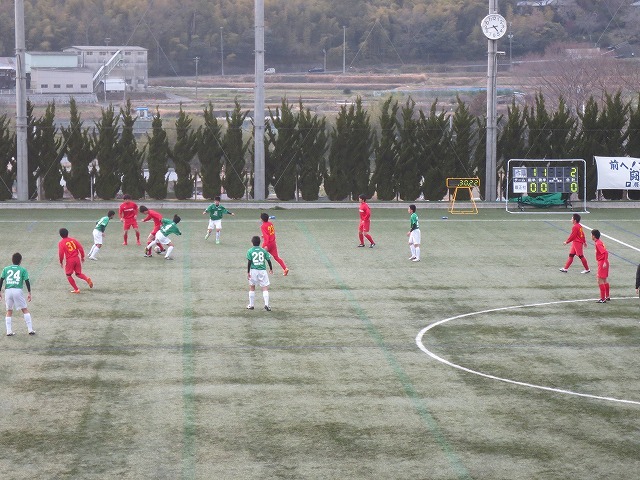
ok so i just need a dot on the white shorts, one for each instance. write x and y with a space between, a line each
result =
414 237
217 224
97 236
14 299
162 239
259 277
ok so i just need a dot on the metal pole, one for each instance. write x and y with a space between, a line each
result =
21 107
258 109
324 65
344 48
196 59
510 36
221 53
490 180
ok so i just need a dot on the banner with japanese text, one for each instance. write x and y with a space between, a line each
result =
618 173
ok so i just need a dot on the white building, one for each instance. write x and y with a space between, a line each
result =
61 80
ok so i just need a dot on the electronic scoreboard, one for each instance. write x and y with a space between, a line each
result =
545 179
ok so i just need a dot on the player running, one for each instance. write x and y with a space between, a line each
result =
72 250
257 260
269 241
215 211
98 234
15 277
602 259
162 237
414 235
157 223
365 222
578 242
129 216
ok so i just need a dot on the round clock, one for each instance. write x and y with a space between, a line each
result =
494 26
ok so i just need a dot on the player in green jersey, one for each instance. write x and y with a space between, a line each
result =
257 260
98 234
215 211
162 237
414 235
14 277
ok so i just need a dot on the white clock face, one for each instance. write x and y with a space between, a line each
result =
494 26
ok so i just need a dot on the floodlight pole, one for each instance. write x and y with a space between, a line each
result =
22 174
490 175
258 106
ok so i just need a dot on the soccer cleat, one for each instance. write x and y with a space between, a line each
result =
286 272
217 241
415 260
168 258
124 243
564 270
361 245
585 271
372 245
412 258
10 334
602 300
148 255
32 332
89 282
267 308
207 235
607 299
77 290
138 243
93 258
249 307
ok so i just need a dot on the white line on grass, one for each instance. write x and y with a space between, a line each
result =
507 380
614 239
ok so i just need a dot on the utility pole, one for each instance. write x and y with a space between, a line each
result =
196 59
258 106
221 52
490 175
21 106
344 48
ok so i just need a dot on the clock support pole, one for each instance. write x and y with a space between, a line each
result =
491 173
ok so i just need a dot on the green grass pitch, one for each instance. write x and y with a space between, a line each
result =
161 372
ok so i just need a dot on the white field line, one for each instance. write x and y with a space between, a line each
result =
614 239
507 380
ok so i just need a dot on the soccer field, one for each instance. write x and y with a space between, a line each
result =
482 361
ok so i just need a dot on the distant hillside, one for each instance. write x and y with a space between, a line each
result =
301 34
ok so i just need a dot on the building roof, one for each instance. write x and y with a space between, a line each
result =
7 63
101 48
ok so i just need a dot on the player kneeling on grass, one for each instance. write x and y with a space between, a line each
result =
162 237
15 276
602 259
257 260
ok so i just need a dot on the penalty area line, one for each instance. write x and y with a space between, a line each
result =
614 239
440 359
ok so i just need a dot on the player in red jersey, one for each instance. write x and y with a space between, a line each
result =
602 258
72 250
129 217
269 241
578 242
157 223
365 222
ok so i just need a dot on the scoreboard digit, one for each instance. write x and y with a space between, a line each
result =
545 179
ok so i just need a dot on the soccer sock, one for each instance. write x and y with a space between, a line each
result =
252 297
7 320
413 250
569 262
125 237
27 320
72 282
418 253
361 237
368 237
606 290
265 295
280 262
169 250
95 252
217 234
151 245
138 237
603 291
585 264
82 276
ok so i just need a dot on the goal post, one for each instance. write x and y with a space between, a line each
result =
546 186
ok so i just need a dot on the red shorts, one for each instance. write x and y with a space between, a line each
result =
130 222
364 226
603 272
156 229
577 248
272 249
73 265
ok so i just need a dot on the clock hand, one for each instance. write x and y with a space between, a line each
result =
495 28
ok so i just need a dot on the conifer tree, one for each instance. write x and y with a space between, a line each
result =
408 171
539 127
336 183
384 179
182 155
589 143
105 139
510 144
613 120
7 158
130 159
33 152
157 159
313 145
235 149
80 153
49 147
210 154
284 156
433 137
